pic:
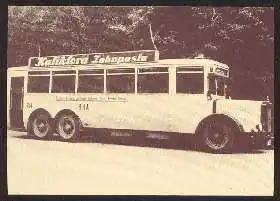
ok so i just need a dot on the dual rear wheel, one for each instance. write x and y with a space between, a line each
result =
68 127
41 126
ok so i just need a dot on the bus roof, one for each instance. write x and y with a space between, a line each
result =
17 68
196 61
191 62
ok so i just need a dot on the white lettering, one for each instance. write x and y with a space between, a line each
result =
134 58
144 58
68 60
120 60
101 60
62 60
139 57
84 60
114 59
96 58
78 60
41 61
48 62
72 61
54 61
127 59
108 59
57 61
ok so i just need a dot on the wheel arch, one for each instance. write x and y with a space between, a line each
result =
65 111
223 117
38 110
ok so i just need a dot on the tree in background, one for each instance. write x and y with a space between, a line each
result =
242 37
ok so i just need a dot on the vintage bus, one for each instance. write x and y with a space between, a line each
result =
133 90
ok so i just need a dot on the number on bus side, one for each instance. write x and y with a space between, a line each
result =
29 105
83 106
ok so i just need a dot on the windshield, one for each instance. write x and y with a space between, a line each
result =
217 85
220 87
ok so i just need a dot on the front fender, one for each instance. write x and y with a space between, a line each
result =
246 112
237 125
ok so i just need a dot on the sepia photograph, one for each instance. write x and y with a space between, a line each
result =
140 100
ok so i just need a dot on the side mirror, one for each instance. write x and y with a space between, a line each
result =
209 95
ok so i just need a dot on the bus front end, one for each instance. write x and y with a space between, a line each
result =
248 120
267 122
254 118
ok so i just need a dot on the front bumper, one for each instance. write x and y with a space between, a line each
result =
261 140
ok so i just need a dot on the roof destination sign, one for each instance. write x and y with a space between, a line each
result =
95 58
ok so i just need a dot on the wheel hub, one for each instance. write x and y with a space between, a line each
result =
216 138
67 127
41 126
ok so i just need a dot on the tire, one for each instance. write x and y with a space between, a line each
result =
39 126
217 136
68 127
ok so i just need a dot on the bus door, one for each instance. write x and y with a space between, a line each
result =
16 102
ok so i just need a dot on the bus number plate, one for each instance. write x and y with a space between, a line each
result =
83 106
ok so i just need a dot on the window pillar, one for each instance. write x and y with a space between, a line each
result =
206 80
76 82
135 80
105 77
51 80
172 79
25 83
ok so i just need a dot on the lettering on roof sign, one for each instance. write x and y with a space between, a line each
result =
96 58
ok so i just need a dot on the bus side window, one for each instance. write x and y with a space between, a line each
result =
189 80
91 81
38 82
120 80
63 82
153 80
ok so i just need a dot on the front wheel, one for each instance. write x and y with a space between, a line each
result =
217 136
68 127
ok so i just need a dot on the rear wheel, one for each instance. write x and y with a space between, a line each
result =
68 127
39 125
217 136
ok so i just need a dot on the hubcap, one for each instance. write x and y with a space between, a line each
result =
66 127
40 127
216 138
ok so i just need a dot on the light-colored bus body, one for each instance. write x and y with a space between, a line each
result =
170 111
162 112
156 112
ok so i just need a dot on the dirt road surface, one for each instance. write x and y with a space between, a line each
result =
105 168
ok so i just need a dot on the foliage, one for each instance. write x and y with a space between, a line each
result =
242 37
